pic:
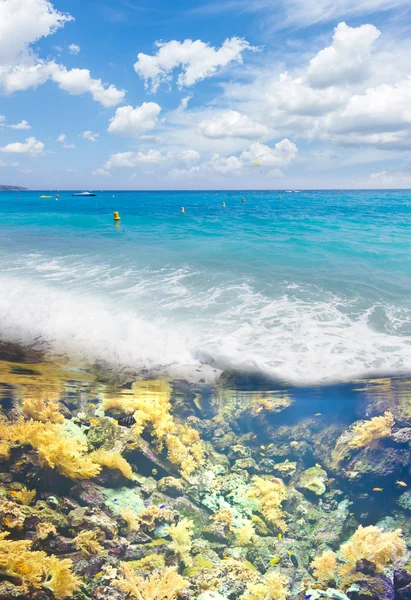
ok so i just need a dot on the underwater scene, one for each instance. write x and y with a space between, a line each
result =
119 487
208 405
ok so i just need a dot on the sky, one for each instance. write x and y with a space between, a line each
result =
218 94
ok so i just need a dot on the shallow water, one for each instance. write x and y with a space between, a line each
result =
306 287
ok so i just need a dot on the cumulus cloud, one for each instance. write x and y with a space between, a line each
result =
61 138
30 146
101 173
22 125
232 124
24 22
152 157
281 155
90 136
133 122
347 60
74 49
196 59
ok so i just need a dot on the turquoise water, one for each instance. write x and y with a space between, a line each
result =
306 287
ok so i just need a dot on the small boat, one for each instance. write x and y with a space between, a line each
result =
84 194
46 196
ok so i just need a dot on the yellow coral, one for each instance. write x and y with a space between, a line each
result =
131 518
87 542
187 457
325 566
224 516
43 530
112 460
33 570
150 515
270 494
378 546
163 584
41 409
182 535
273 587
371 431
244 534
13 515
24 496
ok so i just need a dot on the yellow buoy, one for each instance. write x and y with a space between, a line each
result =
182 209
242 199
116 216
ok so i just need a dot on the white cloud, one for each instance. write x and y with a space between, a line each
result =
101 173
198 60
30 146
78 81
22 125
74 49
24 22
133 122
26 171
90 136
61 138
391 179
152 157
347 60
15 164
231 123
69 146
281 155
2 164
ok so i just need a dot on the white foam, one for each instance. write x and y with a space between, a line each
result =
177 321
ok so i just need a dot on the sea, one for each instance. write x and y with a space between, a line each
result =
305 287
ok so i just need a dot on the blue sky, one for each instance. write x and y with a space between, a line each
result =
240 94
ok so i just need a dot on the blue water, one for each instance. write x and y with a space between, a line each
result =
307 287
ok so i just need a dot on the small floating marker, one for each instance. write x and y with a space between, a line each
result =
242 199
116 216
280 197
182 209
223 205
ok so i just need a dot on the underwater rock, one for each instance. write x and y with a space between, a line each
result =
103 592
138 551
215 532
405 500
313 480
211 596
93 518
245 464
402 436
89 493
402 584
238 451
8 591
185 507
367 584
376 463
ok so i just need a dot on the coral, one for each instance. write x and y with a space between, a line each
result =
148 516
270 494
43 530
372 543
33 570
313 480
150 562
286 467
131 518
41 409
24 496
187 457
244 534
273 587
369 432
12 514
112 460
325 566
87 542
224 516
163 584
58 577
182 535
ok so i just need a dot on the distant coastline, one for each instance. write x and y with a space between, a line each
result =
12 188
